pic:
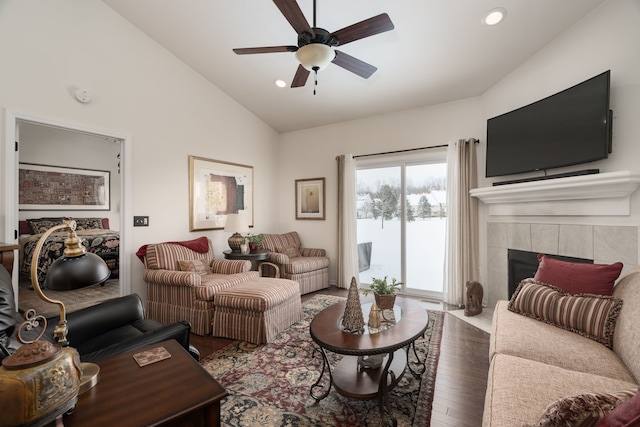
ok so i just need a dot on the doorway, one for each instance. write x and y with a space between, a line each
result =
401 222
120 204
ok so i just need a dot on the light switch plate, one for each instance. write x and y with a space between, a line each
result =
140 221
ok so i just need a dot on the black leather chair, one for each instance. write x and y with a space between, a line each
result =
102 330
8 314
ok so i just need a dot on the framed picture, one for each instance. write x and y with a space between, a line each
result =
57 188
217 189
310 198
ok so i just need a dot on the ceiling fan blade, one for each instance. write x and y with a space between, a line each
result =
267 49
368 27
294 15
300 79
354 65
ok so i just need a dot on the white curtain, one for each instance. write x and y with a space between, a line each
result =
462 220
347 237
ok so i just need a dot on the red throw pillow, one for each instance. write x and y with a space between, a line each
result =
627 414
578 278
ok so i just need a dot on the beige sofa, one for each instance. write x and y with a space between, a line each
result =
533 364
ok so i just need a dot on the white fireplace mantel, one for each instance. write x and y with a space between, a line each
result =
586 195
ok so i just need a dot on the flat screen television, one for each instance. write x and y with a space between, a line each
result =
568 128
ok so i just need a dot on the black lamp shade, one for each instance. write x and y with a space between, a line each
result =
68 273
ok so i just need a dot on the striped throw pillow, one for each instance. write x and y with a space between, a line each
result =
592 316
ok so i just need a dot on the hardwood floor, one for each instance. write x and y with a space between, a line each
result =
461 380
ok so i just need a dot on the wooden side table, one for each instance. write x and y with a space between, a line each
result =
6 255
255 257
173 392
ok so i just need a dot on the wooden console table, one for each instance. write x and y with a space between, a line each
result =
173 392
6 255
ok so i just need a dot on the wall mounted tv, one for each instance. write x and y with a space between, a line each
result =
569 128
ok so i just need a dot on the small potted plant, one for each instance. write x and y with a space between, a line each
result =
255 242
383 292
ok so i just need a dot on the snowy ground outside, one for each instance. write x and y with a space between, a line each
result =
425 251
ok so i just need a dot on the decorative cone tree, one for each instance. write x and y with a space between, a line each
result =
353 320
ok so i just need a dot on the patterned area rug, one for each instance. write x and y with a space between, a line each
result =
269 384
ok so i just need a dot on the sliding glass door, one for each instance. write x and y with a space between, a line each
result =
401 223
426 225
379 225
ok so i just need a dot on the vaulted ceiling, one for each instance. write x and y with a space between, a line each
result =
439 51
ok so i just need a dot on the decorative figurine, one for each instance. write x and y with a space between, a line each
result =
474 299
353 320
370 362
374 316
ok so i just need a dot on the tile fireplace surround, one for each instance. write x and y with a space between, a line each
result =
549 207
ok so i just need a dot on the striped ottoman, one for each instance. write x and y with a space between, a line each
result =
256 310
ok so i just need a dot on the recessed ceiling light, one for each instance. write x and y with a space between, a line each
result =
280 83
495 16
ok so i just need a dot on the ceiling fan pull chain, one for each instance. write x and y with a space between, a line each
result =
315 79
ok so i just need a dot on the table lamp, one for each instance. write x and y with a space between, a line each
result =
40 377
237 223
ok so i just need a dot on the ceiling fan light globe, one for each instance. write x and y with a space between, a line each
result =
315 56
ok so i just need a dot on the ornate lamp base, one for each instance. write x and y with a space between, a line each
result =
235 241
90 376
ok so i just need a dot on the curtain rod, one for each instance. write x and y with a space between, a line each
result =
408 150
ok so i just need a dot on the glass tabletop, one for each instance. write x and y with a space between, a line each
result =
388 319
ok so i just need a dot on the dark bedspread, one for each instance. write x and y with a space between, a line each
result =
104 243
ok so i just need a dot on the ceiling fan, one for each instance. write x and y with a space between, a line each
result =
315 49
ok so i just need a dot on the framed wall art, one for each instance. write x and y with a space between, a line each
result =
310 198
51 188
216 189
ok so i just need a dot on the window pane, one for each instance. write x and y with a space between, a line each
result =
379 226
426 224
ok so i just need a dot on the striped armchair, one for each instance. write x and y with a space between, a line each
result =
174 294
307 266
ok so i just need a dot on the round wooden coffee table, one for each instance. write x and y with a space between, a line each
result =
349 377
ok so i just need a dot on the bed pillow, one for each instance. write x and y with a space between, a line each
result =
290 250
627 414
40 225
592 316
88 223
581 410
24 228
578 278
194 265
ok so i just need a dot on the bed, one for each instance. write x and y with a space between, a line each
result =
95 233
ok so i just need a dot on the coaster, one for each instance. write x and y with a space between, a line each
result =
148 357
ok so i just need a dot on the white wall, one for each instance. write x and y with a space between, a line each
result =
606 39
138 89
311 153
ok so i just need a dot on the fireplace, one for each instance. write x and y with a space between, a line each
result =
524 264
